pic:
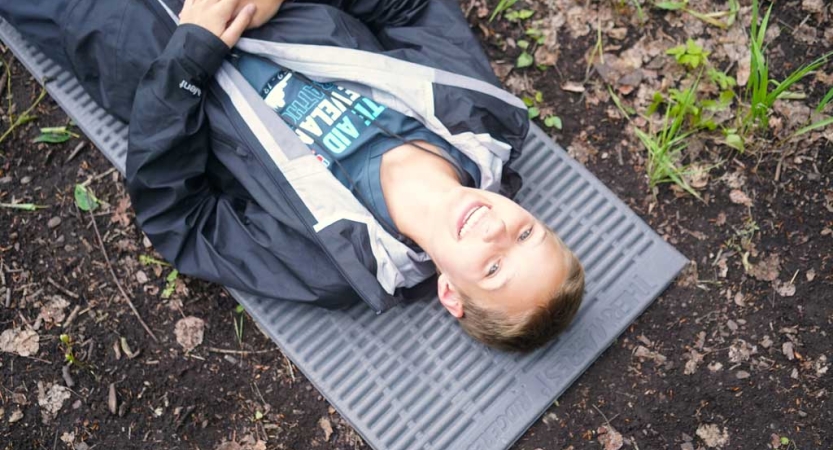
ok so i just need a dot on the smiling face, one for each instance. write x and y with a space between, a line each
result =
490 249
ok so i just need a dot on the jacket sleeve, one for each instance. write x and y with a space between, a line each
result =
202 231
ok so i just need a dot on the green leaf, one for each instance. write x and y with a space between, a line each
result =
23 206
553 122
655 104
512 16
533 112
54 135
528 101
534 32
523 44
671 6
170 284
735 141
525 14
676 51
149 260
539 97
525 60
85 199
690 54
721 79
501 7
52 138
239 309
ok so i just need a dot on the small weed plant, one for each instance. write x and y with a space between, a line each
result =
762 91
687 111
666 145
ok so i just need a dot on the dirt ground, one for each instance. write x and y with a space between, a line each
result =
735 355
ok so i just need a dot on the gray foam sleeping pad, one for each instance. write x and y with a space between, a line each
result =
410 378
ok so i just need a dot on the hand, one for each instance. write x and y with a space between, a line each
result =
223 18
266 9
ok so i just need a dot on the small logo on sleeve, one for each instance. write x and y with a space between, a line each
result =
195 91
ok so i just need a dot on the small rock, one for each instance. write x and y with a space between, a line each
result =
766 342
141 277
784 289
15 416
53 222
738 197
742 374
6 180
712 436
767 269
572 86
610 438
189 332
715 366
694 360
111 400
788 349
811 275
26 180
327 427
643 352
22 342
52 401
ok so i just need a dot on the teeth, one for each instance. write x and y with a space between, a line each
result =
473 218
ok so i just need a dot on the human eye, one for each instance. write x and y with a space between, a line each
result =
493 269
525 235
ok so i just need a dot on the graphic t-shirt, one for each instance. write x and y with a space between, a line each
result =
340 125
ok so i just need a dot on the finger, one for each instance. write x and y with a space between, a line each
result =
238 25
227 7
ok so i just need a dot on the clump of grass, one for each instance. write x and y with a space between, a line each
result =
761 90
665 146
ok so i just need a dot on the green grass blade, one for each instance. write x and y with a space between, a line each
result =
827 98
796 76
501 7
815 126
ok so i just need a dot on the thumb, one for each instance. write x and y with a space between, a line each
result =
238 25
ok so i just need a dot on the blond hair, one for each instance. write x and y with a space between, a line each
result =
538 326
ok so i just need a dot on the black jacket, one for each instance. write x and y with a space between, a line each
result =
221 186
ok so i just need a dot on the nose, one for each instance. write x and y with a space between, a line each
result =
494 229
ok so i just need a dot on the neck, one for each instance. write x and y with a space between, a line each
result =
412 182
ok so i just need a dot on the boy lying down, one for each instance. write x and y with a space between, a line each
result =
325 182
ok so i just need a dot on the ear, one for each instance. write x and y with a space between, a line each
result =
449 296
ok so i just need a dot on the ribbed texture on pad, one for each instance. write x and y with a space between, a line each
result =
410 378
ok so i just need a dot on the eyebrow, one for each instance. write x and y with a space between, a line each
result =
547 232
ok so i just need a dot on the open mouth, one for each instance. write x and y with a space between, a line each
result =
470 218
